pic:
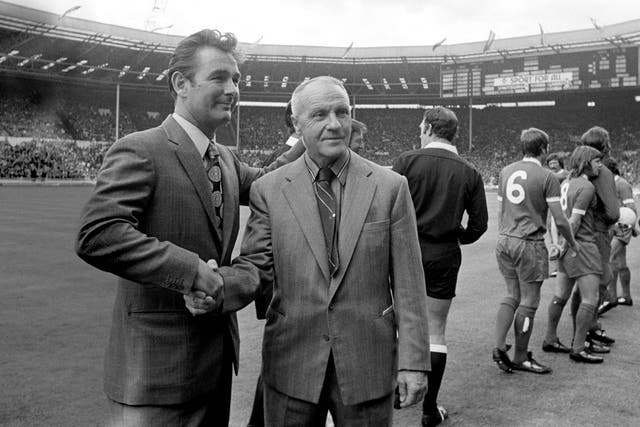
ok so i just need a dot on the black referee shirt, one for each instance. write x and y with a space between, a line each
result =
443 186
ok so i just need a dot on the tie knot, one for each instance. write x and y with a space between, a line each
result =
212 151
325 174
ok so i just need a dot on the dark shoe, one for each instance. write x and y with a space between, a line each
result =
502 360
625 301
600 337
432 420
555 347
594 347
531 365
606 306
585 357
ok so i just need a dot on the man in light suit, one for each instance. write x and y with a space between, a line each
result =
347 320
166 201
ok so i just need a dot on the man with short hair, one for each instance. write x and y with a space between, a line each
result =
334 236
525 192
622 234
167 201
443 187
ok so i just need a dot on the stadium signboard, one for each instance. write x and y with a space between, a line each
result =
528 79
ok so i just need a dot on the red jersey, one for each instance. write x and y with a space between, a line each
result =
578 196
525 189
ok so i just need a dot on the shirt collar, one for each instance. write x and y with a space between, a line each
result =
443 146
532 160
197 136
292 140
339 167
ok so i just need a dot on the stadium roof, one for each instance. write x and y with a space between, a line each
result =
38 43
37 23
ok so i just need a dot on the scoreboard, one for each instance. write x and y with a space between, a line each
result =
611 68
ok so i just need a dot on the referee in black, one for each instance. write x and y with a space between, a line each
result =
443 186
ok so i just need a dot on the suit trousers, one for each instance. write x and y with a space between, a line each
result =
210 410
285 411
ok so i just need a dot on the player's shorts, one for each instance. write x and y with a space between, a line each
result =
525 260
622 232
441 274
587 261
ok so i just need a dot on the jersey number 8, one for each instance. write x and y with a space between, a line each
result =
515 192
564 190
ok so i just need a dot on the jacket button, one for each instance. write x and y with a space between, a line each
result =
325 337
330 307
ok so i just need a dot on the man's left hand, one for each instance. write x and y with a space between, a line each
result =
412 386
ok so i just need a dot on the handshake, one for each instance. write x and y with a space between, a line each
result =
207 293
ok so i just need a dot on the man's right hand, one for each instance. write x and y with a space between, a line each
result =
207 293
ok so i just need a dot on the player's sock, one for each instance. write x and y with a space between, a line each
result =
434 377
575 304
555 312
583 323
612 287
523 325
625 282
506 311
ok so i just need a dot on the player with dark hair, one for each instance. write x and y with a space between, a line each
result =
578 200
555 162
526 191
443 187
623 230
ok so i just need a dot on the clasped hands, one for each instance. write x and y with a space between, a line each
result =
207 293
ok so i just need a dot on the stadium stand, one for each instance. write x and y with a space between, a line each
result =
60 81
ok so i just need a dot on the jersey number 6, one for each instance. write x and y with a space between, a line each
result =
515 192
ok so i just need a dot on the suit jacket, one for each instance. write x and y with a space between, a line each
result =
371 315
148 221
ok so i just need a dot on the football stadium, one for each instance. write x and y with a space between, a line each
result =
71 87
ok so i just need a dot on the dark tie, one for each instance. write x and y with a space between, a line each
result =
327 208
214 174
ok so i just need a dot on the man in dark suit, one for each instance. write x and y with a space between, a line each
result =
166 201
443 187
335 236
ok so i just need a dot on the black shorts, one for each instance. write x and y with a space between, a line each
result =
441 274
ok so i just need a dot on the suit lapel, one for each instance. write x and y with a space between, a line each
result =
356 201
298 190
192 163
230 188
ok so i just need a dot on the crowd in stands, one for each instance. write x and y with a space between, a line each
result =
53 126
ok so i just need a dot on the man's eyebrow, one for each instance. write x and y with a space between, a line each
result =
219 72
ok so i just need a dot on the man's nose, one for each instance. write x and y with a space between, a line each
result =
230 87
333 123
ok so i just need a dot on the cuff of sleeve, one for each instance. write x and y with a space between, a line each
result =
190 262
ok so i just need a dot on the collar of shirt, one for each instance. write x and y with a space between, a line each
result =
199 139
339 167
292 140
532 160
443 146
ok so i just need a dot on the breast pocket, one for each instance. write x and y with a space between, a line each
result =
375 226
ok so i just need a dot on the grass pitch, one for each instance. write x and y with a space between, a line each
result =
55 316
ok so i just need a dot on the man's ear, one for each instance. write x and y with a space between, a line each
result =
296 124
428 130
179 83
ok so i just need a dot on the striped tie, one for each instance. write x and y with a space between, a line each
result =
327 208
214 174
